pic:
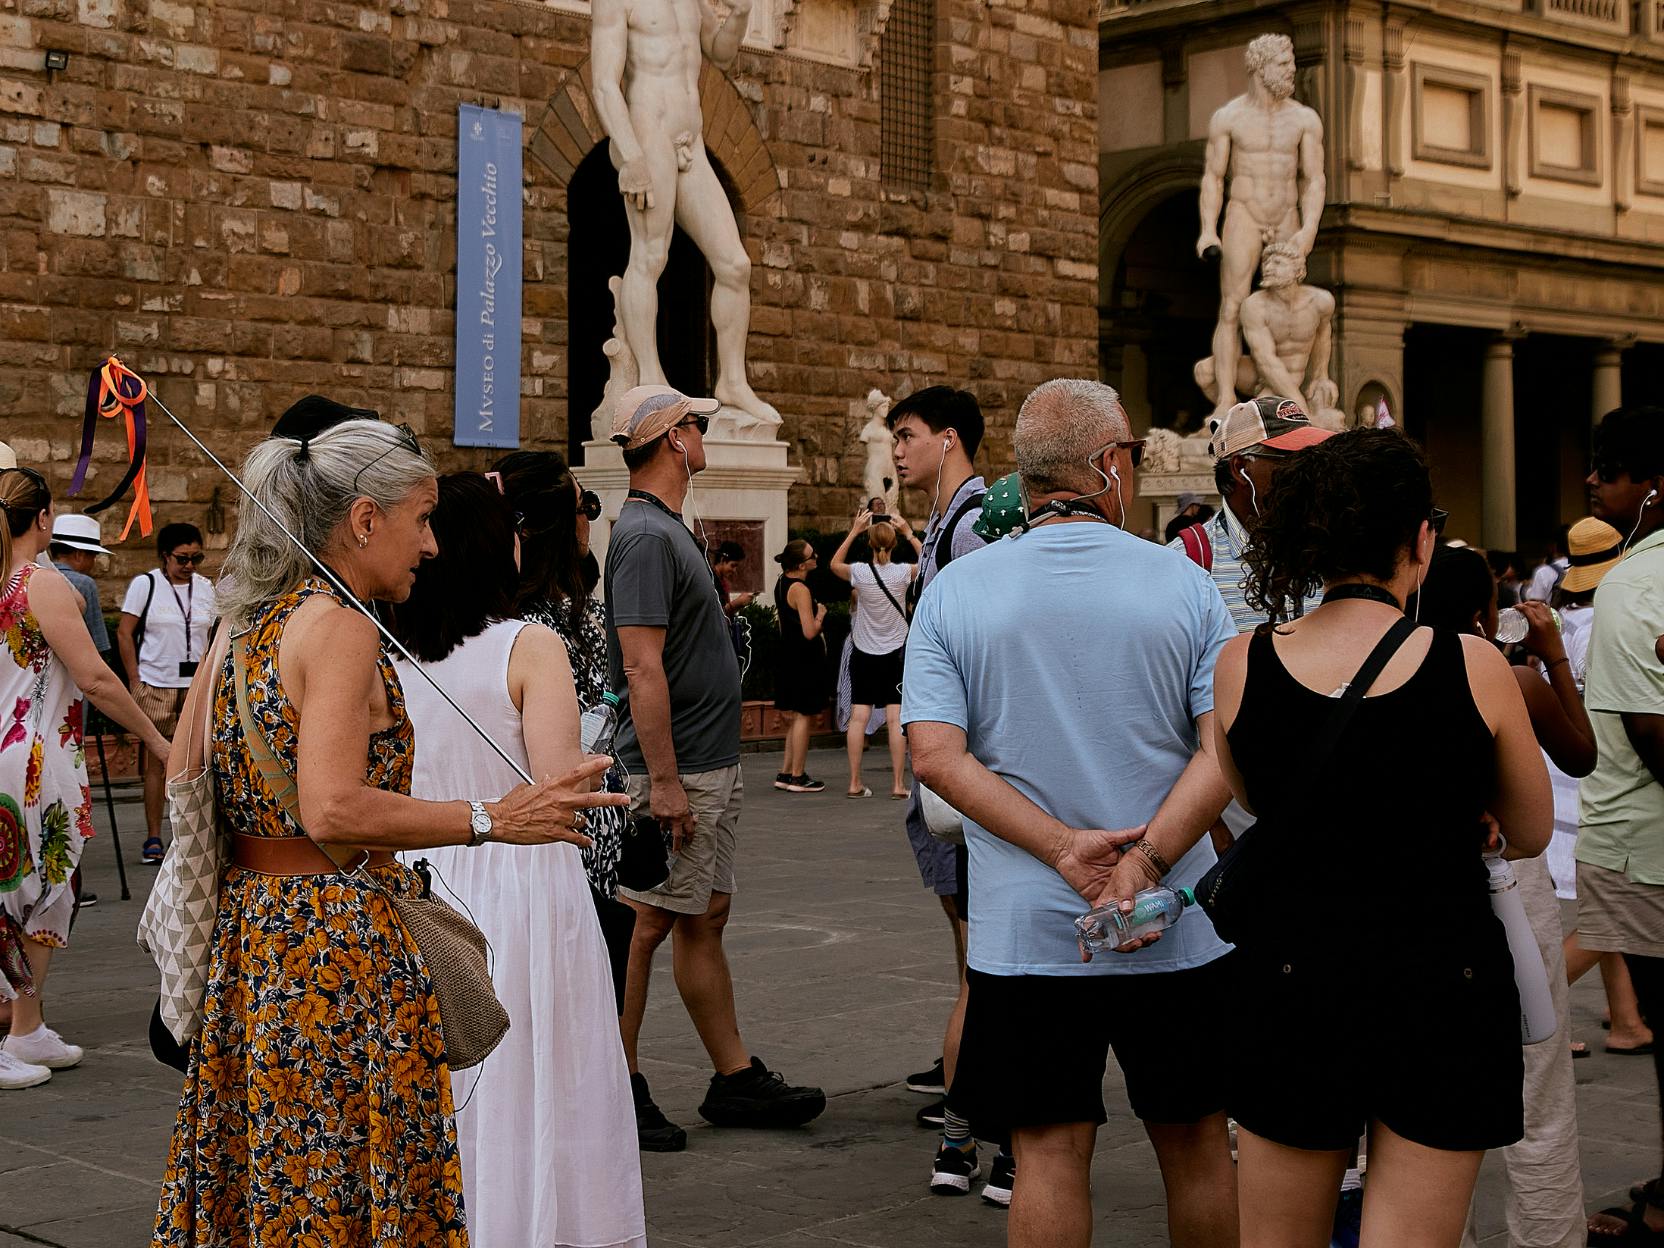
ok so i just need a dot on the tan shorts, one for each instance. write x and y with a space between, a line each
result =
1617 915
706 863
161 707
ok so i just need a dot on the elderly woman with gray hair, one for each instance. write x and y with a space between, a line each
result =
317 1101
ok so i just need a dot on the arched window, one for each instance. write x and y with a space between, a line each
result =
906 85
598 249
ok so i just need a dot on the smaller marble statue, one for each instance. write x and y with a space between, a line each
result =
879 479
1287 326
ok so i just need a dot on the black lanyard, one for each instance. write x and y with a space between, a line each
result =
1358 589
185 608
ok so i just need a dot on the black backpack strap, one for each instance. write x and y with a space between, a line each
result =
138 629
974 502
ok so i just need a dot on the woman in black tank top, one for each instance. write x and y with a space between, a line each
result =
1385 998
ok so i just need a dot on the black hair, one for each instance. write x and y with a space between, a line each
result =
729 552
1181 522
943 407
640 456
1630 440
1349 506
540 486
471 581
170 537
1459 585
1224 480
1501 561
57 550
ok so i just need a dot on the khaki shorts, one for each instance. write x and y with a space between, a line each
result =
1617 915
161 707
706 863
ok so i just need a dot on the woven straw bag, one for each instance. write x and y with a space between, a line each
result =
452 949
177 926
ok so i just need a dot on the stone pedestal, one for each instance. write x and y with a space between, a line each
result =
744 482
1175 466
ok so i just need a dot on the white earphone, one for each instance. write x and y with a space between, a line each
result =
1253 493
1120 499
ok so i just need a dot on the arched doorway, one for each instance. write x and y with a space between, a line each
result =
598 249
1159 311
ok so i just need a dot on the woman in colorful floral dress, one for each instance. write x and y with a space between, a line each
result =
45 804
317 1102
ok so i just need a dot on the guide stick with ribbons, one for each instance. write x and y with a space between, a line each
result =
346 594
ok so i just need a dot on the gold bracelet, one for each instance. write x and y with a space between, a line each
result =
1149 851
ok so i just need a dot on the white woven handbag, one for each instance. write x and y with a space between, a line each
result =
177 926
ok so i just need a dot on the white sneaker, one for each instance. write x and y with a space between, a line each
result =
15 1074
44 1047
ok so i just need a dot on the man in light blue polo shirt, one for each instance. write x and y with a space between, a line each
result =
1059 687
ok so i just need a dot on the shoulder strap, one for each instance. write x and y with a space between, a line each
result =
886 589
277 779
1355 689
138 629
946 535
1198 546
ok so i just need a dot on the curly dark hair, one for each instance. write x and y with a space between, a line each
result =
1349 506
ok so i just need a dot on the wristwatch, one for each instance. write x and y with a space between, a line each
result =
480 822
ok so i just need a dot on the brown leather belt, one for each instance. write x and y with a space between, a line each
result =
288 855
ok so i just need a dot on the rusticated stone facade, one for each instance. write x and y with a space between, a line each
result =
253 199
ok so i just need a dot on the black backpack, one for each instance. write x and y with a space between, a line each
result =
943 558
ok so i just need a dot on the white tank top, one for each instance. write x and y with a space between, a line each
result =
452 762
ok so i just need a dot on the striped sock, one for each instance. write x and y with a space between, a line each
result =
956 1132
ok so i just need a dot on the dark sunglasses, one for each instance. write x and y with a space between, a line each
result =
407 440
190 561
589 503
701 423
1437 520
1135 448
1606 470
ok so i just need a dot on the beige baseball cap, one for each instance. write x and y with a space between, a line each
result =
649 412
1270 421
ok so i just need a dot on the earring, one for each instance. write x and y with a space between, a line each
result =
363 540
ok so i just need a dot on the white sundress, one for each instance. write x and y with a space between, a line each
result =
546 1125
45 802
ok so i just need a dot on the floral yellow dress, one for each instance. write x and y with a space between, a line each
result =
317 1107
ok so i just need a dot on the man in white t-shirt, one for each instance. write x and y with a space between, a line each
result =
166 617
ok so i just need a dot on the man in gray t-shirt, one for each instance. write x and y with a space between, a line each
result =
672 661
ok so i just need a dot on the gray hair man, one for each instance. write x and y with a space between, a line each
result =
1047 728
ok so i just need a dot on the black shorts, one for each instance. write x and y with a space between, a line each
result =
1035 1046
1319 1049
874 679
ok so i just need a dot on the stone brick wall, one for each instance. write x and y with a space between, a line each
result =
254 199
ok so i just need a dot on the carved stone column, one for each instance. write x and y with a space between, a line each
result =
1357 85
1513 124
1396 104
1497 530
1606 389
1623 145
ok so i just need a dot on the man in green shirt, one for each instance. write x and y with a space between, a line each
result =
1620 847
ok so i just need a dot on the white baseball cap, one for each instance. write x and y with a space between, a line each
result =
8 458
77 532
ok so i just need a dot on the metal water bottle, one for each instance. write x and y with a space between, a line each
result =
1537 1020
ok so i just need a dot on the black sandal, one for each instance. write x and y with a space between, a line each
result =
1635 1231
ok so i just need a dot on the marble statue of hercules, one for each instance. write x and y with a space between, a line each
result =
1272 147
645 57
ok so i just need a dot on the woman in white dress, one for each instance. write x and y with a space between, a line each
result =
546 1125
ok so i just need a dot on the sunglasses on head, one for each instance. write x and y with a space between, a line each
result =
1437 520
407 440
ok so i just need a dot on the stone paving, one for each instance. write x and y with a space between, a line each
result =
843 973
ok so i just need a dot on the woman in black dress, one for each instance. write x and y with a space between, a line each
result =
1382 995
800 674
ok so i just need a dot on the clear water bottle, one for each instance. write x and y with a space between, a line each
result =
1108 928
1512 626
599 725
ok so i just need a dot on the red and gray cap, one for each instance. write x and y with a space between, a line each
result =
649 412
1275 423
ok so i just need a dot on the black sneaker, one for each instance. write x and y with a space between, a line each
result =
933 1115
804 784
87 899
1002 1175
954 1170
758 1097
783 780
932 1082
654 1132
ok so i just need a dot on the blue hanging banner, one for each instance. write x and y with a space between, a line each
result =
488 237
